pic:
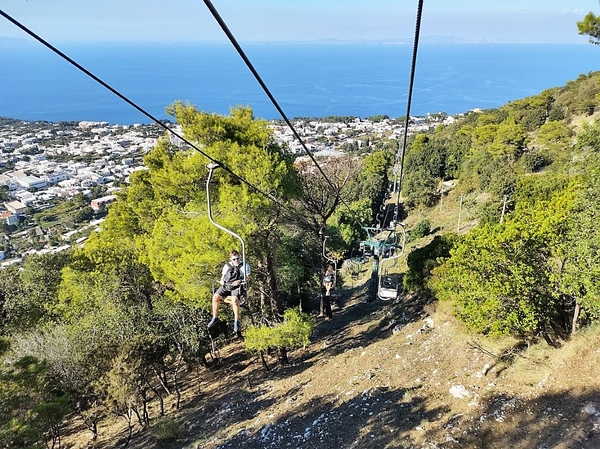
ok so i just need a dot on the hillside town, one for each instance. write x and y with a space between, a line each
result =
44 164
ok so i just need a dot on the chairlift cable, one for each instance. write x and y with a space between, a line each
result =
134 105
402 150
260 81
256 75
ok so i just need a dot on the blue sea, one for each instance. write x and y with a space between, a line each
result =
306 79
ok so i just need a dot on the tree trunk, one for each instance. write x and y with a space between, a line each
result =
128 417
176 386
161 401
576 313
282 357
323 309
91 423
162 378
264 362
271 281
145 417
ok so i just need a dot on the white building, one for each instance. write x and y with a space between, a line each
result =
27 181
56 177
16 207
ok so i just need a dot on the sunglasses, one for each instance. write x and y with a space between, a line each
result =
235 258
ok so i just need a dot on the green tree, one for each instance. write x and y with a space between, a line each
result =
157 235
509 140
420 188
421 261
374 179
30 404
580 251
554 132
28 295
320 198
293 332
498 280
590 26
589 137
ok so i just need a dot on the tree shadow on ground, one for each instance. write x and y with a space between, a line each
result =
333 337
404 418
213 404
226 414
370 420
380 316
554 420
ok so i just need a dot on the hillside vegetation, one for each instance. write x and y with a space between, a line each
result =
492 344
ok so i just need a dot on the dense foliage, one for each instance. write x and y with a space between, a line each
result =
530 275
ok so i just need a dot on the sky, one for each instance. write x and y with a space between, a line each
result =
296 20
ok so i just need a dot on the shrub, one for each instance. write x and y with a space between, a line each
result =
293 333
489 212
499 283
421 261
420 230
533 161
556 114
165 429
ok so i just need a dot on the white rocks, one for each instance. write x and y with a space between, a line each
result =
486 368
397 329
459 392
590 409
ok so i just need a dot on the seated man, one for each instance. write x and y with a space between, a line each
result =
233 278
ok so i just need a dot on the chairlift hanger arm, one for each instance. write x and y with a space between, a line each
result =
325 255
211 167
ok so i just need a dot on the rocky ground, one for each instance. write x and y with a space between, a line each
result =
399 374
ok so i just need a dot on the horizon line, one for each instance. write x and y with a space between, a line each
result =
430 39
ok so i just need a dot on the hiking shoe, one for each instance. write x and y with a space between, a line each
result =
212 322
236 326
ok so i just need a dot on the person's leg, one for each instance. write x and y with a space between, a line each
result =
235 307
327 307
216 301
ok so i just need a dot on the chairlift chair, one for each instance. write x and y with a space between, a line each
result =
211 167
389 287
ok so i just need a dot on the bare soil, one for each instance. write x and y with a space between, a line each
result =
398 374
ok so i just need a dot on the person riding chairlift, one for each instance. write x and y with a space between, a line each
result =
233 279
328 280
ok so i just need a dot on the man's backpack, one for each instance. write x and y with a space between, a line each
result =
234 273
